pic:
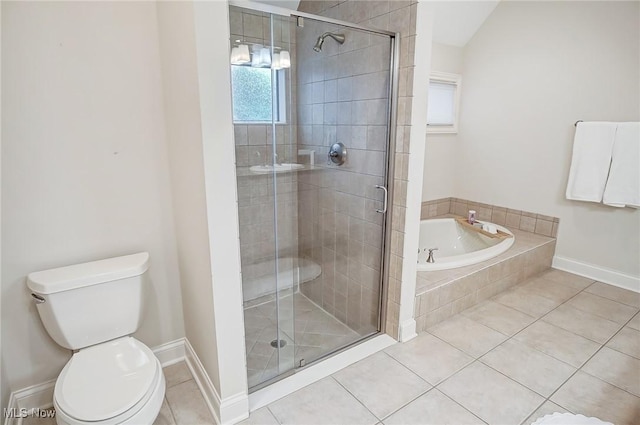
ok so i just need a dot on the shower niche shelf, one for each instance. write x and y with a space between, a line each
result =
280 168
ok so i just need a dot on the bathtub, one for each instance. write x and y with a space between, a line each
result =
457 245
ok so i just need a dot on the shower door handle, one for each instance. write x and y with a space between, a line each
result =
386 196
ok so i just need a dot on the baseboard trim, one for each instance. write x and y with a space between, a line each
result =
318 371
229 410
600 274
170 352
40 396
203 381
407 330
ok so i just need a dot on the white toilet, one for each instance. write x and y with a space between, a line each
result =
93 308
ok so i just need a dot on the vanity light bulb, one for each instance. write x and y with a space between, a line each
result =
285 59
276 63
244 56
265 57
256 55
240 55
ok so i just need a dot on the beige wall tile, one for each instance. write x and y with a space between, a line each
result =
513 220
528 224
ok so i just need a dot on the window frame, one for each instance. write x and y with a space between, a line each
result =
281 102
455 80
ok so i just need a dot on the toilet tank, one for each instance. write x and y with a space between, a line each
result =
86 304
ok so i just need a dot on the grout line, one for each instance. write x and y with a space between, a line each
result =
452 373
477 359
166 400
589 359
608 299
271 413
443 393
408 403
353 395
548 398
403 405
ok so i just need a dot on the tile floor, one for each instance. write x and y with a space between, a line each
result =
316 333
501 362
557 342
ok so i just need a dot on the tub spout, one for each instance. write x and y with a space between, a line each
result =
430 257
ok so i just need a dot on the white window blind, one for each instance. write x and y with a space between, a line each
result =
444 95
442 109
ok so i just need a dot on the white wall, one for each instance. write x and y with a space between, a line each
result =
214 79
529 73
84 163
440 149
182 111
197 93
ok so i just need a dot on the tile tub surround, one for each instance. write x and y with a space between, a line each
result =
513 219
443 293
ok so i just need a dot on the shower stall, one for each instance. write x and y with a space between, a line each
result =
313 110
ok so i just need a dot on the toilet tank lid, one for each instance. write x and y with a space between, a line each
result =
86 274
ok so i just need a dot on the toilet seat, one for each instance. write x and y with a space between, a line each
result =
110 383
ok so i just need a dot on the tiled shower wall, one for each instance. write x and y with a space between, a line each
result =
337 221
254 146
343 97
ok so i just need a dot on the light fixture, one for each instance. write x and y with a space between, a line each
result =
285 59
265 57
276 63
260 56
255 55
240 55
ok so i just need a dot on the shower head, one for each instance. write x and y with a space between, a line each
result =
337 37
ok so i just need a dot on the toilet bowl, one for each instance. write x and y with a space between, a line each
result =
119 382
93 308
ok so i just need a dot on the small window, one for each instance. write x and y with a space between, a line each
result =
253 95
444 96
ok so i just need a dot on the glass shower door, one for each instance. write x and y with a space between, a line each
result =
311 114
343 92
261 57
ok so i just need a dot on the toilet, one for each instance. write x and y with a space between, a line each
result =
92 309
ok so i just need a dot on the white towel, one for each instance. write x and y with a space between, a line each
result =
592 147
623 185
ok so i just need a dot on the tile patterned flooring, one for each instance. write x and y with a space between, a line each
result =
316 333
556 342
500 362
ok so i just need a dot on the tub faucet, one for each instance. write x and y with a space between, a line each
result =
430 257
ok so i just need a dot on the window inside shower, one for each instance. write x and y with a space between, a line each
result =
312 230
253 95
